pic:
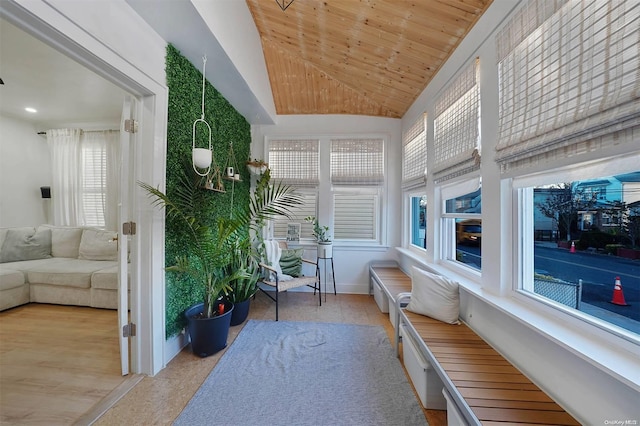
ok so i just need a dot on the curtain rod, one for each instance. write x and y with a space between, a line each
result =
103 130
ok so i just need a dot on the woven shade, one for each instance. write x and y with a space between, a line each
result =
414 154
569 80
357 161
456 127
294 161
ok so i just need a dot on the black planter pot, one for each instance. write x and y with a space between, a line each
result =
208 335
240 312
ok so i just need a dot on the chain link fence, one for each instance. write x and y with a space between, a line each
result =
564 292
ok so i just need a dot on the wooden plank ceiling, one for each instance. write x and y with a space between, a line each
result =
364 57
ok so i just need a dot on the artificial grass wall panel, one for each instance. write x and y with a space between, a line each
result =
184 81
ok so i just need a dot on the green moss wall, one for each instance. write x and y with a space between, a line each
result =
185 106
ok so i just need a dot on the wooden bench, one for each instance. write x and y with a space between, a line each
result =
387 281
481 387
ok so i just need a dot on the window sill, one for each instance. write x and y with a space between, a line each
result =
609 353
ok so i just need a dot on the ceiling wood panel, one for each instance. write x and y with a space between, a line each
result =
364 57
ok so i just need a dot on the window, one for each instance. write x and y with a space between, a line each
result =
462 229
357 175
94 176
418 220
351 192
579 268
308 208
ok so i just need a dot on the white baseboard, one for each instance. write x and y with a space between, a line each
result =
173 346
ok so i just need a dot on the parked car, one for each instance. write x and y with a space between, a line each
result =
469 231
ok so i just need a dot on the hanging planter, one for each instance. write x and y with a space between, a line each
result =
257 167
202 158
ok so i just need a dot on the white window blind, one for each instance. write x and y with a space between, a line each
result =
294 162
569 80
357 161
456 127
355 216
414 154
308 208
94 183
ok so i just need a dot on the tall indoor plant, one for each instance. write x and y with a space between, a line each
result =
213 242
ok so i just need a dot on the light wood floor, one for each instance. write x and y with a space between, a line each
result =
56 362
155 400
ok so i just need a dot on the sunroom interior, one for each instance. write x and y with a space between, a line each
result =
527 97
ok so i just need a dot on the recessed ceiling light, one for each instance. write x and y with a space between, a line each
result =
32 110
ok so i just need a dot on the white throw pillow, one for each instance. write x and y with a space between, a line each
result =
97 244
435 296
65 240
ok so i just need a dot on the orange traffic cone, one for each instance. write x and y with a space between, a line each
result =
573 247
618 296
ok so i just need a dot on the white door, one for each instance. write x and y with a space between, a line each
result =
125 215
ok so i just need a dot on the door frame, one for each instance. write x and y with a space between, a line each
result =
132 57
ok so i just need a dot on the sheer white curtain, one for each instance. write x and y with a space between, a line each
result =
66 166
86 177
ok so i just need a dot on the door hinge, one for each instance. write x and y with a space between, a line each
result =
130 125
129 330
129 228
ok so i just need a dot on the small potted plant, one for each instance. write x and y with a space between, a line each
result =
321 234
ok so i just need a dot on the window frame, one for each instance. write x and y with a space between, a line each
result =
523 256
408 217
447 223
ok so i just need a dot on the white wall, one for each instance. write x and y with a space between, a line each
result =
350 262
25 166
591 373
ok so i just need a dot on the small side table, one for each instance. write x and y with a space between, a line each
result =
333 275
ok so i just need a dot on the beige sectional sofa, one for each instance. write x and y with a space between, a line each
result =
60 265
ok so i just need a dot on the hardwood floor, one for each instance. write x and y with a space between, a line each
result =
154 400
56 362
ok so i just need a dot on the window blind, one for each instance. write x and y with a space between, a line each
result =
568 80
414 154
456 127
294 161
357 161
355 216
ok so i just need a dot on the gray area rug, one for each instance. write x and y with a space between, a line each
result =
304 373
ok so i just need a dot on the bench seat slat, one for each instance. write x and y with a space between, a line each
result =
495 385
505 394
487 377
500 403
529 416
481 368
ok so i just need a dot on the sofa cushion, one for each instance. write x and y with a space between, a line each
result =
10 279
105 279
97 244
65 240
27 265
3 232
74 273
25 244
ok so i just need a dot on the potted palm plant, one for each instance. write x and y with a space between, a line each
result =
212 246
